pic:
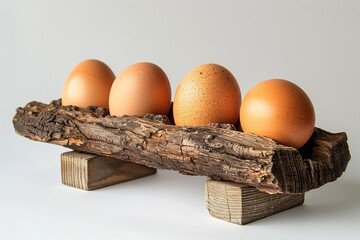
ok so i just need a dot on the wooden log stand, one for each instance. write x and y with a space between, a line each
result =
275 176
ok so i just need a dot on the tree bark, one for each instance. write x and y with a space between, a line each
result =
214 151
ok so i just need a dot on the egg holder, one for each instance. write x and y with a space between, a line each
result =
250 177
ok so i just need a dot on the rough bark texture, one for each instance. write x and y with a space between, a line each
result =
220 153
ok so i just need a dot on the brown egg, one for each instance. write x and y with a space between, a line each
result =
280 110
88 84
207 94
140 89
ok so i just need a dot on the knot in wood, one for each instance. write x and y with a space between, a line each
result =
158 118
98 111
208 139
227 126
56 103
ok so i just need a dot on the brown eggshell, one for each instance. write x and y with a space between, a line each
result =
140 89
280 110
207 94
88 84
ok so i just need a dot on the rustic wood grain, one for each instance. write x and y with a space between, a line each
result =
241 204
221 154
89 172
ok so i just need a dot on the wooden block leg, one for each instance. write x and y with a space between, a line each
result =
241 204
88 172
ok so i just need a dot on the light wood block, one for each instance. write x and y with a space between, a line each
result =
88 171
240 204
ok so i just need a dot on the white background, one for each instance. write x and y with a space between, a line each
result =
315 44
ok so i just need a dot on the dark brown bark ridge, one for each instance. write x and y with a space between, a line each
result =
216 151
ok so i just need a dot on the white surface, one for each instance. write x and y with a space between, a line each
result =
316 44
